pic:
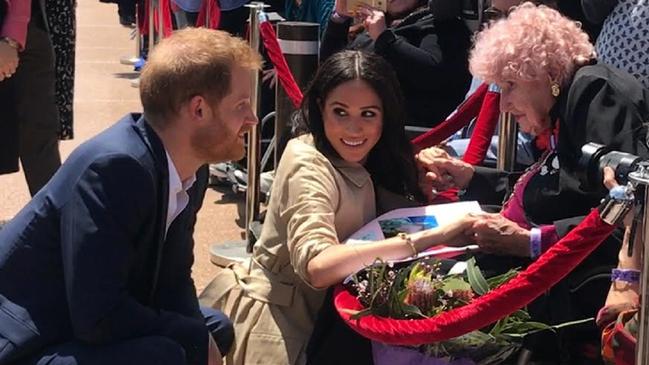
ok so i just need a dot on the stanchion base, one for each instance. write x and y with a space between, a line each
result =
130 61
223 254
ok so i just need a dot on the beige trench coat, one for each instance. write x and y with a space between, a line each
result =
315 203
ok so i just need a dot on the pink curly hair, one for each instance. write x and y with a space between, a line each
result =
533 41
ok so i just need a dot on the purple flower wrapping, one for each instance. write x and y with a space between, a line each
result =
389 355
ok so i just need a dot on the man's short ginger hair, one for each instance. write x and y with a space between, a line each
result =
530 42
191 62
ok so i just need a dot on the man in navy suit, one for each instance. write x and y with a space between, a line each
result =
96 269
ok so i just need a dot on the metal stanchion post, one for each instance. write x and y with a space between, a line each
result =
300 43
254 135
138 44
641 178
207 14
160 22
152 7
507 141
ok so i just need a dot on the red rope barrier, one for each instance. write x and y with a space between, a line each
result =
276 56
540 276
215 14
484 129
465 113
143 23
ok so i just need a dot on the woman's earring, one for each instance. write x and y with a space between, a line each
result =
555 89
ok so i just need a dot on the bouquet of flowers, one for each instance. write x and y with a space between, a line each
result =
421 289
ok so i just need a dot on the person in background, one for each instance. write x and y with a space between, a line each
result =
234 17
29 134
623 41
108 241
428 51
185 12
313 11
329 183
619 318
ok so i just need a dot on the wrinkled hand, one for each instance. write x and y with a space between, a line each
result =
442 171
498 235
8 60
269 76
374 21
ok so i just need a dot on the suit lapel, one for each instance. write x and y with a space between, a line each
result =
156 148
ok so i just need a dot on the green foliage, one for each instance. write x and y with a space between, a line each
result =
419 290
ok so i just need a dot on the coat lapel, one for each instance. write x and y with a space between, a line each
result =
156 148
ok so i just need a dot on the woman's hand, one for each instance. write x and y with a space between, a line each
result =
459 233
443 171
8 60
498 235
374 21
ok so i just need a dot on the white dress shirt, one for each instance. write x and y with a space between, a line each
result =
178 197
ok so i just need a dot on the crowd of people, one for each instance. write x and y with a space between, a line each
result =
96 268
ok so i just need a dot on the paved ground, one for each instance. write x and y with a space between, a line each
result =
103 95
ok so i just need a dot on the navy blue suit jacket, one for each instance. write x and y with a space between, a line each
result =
87 260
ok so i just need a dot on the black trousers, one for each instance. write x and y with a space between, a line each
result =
29 120
152 350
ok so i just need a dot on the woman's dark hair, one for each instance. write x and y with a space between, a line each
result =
391 162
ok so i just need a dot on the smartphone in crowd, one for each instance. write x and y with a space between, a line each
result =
353 5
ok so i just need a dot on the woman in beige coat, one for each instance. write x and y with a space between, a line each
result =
324 190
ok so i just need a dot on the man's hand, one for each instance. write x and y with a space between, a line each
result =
498 235
214 355
8 60
374 21
442 171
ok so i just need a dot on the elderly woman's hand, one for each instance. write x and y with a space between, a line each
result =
8 60
498 235
443 171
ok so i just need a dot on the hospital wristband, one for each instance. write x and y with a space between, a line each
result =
535 243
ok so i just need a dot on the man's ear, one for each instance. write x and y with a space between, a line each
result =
196 107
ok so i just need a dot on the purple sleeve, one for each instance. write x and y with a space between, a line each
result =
549 236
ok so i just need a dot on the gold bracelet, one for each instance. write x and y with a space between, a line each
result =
408 240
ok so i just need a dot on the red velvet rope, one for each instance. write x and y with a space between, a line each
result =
465 112
166 19
540 276
484 129
215 14
276 56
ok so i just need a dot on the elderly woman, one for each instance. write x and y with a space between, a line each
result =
545 67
